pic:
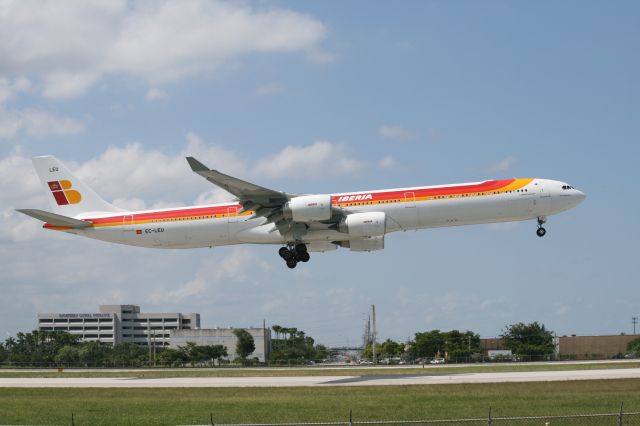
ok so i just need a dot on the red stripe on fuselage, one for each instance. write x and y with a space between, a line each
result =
168 214
376 196
429 192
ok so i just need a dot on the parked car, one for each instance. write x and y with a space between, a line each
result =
365 362
437 361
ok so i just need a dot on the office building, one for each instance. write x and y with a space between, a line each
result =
120 324
224 336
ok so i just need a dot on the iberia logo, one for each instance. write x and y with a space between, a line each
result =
63 193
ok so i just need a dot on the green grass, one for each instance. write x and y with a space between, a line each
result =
343 371
262 405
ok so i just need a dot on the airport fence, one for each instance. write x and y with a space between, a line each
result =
613 419
619 418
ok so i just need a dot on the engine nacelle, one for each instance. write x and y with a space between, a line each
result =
308 208
371 224
367 244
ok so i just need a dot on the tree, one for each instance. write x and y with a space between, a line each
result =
194 353
169 356
37 347
245 345
67 355
634 346
428 344
528 339
94 353
454 343
128 354
297 347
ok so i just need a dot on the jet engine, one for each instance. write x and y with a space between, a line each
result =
371 224
308 208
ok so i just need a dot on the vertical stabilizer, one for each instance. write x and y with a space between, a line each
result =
66 194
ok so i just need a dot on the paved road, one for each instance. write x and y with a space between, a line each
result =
224 382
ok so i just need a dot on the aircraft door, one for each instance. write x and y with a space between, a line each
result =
408 217
232 214
127 227
542 205
231 228
409 199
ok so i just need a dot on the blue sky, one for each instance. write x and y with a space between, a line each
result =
328 97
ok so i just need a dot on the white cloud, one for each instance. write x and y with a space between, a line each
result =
502 166
394 132
132 204
68 45
155 94
320 159
268 89
9 89
36 123
212 277
387 162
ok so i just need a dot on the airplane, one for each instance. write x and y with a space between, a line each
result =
299 223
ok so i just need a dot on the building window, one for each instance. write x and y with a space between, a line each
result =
43 320
75 320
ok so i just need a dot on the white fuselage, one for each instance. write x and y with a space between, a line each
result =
405 208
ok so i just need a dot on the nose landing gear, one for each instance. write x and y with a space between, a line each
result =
292 254
541 232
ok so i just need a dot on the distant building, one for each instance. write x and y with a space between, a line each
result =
575 347
225 337
595 347
120 324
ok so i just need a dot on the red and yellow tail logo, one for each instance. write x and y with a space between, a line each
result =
63 193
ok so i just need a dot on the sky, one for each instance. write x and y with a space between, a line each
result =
325 97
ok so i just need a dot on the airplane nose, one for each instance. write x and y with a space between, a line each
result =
580 196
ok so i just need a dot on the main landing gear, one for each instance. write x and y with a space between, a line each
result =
292 254
541 232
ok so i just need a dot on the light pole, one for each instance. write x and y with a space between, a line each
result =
634 320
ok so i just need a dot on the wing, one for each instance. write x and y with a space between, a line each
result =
265 202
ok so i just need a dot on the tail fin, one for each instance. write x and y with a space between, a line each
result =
67 195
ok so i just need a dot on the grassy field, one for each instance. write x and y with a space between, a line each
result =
262 405
343 371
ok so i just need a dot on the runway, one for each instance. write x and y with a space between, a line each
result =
309 381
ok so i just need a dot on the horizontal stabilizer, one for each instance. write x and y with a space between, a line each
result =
55 219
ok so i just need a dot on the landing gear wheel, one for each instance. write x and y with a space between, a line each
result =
283 252
304 257
541 232
287 254
291 263
301 248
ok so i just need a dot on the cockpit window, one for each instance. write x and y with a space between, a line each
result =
565 187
